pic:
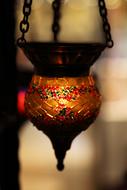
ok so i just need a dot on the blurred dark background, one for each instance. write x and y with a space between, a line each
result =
9 163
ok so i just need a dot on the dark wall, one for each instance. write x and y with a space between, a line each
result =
9 164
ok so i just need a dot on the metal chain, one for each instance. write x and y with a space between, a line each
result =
55 26
106 25
24 24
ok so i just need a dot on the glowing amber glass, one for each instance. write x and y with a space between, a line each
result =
67 102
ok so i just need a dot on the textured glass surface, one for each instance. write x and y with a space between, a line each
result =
62 101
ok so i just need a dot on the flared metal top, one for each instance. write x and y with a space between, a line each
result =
62 59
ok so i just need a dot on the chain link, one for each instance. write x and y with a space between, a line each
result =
55 26
106 25
24 24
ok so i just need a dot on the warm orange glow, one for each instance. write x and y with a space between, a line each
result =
20 101
62 101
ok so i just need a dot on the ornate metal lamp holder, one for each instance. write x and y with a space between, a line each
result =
62 99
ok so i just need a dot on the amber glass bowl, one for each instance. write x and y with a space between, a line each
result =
67 102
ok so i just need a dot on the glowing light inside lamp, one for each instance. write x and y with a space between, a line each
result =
62 101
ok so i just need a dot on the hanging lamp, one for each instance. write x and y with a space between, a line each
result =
62 99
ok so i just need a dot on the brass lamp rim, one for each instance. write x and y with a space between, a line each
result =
70 46
62 59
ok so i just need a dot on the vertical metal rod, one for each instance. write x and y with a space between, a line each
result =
56 5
